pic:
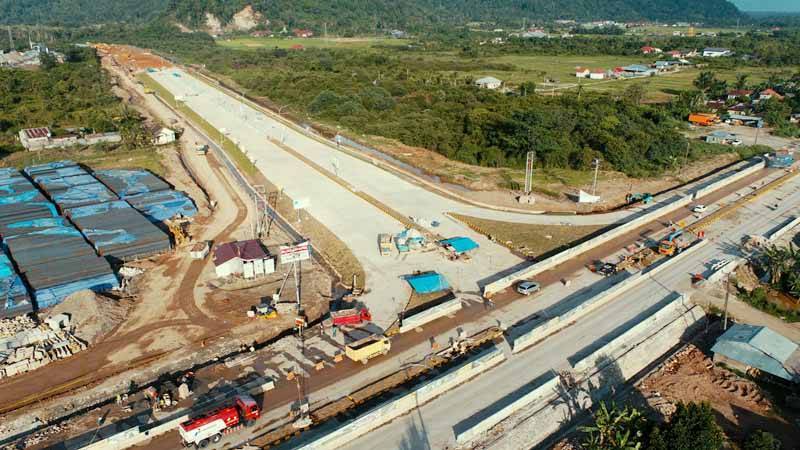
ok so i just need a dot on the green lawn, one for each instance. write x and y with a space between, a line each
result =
251 43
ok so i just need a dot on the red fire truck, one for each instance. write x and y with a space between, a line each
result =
210 427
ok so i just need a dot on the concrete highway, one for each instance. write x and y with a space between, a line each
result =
431 425
358 222
350 217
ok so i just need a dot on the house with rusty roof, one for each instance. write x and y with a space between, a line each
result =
247 259
35 138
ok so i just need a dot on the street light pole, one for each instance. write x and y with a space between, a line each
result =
596 164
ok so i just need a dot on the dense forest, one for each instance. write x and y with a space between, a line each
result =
74 94
358 16
79 12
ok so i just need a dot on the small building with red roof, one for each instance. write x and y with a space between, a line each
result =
247 259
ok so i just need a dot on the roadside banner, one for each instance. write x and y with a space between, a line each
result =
295 253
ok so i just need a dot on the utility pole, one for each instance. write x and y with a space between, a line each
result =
596 166
727 295
529 172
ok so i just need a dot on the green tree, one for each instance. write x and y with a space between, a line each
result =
761 440
741 81
704 81
692 427
47 61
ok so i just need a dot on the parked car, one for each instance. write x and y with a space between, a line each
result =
606 269
699 208
528 287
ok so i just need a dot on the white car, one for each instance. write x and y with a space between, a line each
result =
528 287
699 208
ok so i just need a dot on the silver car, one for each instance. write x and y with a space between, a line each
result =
528 287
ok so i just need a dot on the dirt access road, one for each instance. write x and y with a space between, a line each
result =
169 313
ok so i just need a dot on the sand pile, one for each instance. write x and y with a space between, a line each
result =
92 315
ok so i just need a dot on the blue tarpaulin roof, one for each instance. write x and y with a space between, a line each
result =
425 283
758 347
460 244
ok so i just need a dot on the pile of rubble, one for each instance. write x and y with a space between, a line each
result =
26 345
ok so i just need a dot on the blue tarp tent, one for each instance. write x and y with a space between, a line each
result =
428 282
460 244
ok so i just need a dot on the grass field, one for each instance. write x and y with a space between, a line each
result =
562 69
95 157
252 43
530 239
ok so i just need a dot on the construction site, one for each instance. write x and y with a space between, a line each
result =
252 296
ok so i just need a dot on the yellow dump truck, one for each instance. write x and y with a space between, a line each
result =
385 244
367 348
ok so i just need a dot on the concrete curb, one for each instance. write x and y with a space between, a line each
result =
398 407
438 311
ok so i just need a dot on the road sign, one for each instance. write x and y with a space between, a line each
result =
295 253
301 203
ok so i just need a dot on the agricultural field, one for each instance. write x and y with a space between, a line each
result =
252 43
537 68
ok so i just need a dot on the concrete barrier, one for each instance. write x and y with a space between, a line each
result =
723 271
429 315
545 391
542 421
748 169
676 307
398 407
777 234
557 323
559 258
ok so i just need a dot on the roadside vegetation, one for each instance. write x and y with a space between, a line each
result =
67 98
691 427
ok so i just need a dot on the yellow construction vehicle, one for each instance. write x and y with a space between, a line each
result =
179 230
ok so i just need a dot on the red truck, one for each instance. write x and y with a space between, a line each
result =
352 316
209 428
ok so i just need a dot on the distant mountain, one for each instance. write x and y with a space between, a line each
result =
357 15
778 6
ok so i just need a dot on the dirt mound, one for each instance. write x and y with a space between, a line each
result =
92 315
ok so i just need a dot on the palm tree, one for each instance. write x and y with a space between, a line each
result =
741 81
777 260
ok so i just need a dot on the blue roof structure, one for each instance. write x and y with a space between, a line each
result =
428 282
759 347
460 244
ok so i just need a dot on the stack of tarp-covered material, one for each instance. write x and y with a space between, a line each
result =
119 232
148 194
131 182
68 185
56 261
14 298
163 205
20 200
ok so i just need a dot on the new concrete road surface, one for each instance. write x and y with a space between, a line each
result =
350 217
431 425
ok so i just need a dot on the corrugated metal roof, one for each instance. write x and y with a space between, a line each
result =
36 133
758 347
246 250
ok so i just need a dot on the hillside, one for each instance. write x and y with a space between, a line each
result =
357 16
